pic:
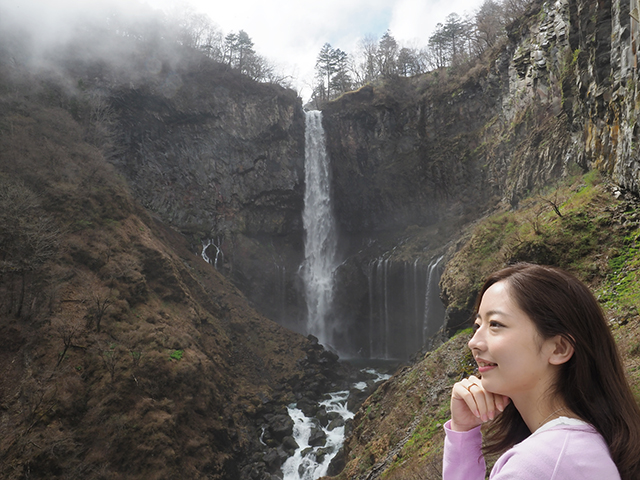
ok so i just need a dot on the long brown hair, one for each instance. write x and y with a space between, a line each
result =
592 383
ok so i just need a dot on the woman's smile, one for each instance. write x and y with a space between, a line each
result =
484 366
511 356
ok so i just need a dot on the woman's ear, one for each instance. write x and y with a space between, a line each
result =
562 352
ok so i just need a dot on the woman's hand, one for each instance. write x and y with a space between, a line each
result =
472 405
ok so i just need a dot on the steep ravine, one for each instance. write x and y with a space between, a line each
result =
413 160
217 157
124 354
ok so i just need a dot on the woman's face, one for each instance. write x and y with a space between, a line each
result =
512 357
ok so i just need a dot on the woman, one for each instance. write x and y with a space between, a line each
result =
550 382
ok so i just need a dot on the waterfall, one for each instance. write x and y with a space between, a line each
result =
320 243
217 244
283 292
405 309
370 282
416 294
433 309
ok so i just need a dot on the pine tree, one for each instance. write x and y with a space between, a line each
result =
387 54
239 51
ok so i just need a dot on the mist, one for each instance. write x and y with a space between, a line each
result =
73 43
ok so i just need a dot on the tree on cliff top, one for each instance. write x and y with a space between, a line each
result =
451 41
332 73
237 48
489 24
387 55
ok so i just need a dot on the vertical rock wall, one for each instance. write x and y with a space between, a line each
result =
222 159
559 96
602 86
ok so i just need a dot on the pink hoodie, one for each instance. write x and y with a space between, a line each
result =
563 449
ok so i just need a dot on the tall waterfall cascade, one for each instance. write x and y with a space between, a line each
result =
320 245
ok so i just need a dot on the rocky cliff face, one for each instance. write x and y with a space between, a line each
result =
558 96
221 158
425 149
401 157
604 40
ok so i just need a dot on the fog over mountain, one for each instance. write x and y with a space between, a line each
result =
287 34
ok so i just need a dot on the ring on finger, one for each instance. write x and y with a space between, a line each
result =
472 385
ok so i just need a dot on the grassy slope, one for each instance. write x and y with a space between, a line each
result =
398 432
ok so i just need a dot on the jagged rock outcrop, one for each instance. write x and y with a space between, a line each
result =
604 41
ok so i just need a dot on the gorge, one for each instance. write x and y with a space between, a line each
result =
162 328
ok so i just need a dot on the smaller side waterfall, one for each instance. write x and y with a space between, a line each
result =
433 309
219 257
320 243
405 309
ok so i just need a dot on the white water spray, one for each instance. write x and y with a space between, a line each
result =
217 244
405 309
320 244
431 300
308 462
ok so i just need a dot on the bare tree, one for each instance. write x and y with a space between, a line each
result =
489 25
111 356
101 130
100 301
366 70
67 330
28 238
554 203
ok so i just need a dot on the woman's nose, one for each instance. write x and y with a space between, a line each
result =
476 342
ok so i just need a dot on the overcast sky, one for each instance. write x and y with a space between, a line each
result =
289 33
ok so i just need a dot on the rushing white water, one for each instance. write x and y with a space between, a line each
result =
320 244
379 377
311 462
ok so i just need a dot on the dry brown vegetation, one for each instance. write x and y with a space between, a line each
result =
124 355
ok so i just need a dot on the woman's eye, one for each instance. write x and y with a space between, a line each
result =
476 326
493 323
